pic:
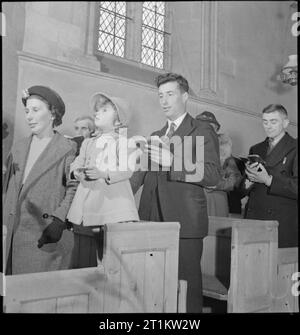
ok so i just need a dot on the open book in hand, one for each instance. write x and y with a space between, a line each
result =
254 158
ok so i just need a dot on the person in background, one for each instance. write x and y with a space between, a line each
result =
84 128
39 192
217 200
104 194
235 196
273 186
210 118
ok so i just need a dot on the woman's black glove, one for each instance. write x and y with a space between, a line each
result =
53 232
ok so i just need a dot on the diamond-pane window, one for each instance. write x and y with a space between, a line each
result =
112 27
153 34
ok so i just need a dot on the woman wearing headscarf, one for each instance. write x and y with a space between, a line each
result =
217 200
38 191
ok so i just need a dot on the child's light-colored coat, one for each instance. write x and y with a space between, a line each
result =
102 201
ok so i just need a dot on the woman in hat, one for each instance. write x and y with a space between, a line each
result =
210 118
217 198
104 194
39 192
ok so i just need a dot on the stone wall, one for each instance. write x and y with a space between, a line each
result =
230 52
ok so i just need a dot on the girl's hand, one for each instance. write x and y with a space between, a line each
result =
79 175
92 173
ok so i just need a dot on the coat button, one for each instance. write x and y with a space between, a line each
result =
270 211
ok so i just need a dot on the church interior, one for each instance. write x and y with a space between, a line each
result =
234 55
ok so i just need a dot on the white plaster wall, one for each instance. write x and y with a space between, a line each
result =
253 43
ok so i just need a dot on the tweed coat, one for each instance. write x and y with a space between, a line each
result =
217 200
47 189
178 198
279 201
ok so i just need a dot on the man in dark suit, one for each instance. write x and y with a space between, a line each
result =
273 190
173 194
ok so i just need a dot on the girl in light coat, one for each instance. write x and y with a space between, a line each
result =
104 194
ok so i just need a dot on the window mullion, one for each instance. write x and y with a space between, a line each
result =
137 31
142 41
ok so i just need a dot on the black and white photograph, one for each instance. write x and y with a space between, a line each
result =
149 161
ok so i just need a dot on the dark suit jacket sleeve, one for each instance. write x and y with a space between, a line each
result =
209 169
286 186
137 180
242 189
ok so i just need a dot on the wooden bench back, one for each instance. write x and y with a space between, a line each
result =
139 274
286 288
141 264
242 254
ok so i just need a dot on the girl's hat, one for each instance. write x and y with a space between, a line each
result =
119 103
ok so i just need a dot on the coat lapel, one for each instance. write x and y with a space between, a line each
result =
19 160
262 149
161 132
282 148
54 151
186 127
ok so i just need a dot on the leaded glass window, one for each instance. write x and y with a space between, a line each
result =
112 27
153 34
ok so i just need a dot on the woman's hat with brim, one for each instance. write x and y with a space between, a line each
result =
46 93
119 103
208 117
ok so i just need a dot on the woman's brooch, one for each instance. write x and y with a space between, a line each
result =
25 94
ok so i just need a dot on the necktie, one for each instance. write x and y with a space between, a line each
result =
171 130
271 145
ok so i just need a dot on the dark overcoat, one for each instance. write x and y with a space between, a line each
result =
279 201
175 195
47 189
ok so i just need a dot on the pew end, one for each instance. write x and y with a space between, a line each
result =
241 262
138 274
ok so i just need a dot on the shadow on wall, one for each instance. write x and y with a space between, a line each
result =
5 131
7 137
275 85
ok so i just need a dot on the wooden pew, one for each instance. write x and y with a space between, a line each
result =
240 264
139 273
287 265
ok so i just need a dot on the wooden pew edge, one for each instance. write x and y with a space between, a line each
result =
287 255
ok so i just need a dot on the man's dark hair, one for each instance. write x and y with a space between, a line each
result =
275 108
169 77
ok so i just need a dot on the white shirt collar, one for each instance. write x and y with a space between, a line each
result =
177 122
